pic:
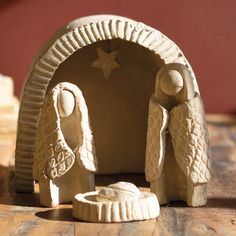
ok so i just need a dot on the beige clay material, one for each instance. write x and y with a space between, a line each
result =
118 192
65 103
117 98
65 156
106 62
177 158
119 202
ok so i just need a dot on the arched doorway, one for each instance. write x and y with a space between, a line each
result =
118 105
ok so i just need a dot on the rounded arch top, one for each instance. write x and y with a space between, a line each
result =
90 29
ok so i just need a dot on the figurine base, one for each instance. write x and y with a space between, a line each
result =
62 190
173 185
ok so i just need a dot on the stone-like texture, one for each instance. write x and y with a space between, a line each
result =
76 35
119 202
218 217
177 158
65 154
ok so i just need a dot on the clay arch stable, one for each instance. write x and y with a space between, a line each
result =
75 36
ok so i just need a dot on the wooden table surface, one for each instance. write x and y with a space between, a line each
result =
21 214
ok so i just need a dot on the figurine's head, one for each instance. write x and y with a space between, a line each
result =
171 82
174 84
65 103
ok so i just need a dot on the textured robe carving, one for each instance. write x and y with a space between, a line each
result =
65 152
177 161
189 137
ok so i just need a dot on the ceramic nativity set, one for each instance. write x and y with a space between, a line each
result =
109 92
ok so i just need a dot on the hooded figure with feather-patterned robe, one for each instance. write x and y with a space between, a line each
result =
65 156
177 162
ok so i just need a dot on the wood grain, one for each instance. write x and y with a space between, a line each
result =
21 214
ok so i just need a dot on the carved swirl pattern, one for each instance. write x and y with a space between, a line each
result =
60 161
53 157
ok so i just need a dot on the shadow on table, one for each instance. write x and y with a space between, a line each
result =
65 214
61 214
8 194
212 202
137 179
21 199
217 202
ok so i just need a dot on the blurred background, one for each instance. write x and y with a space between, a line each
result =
205 30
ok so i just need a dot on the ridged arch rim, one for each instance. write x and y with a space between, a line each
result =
76 35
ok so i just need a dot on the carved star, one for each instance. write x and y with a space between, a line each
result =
106 62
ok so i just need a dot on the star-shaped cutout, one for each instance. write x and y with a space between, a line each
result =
106 62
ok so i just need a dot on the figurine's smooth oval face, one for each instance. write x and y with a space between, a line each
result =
65 103
171 82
